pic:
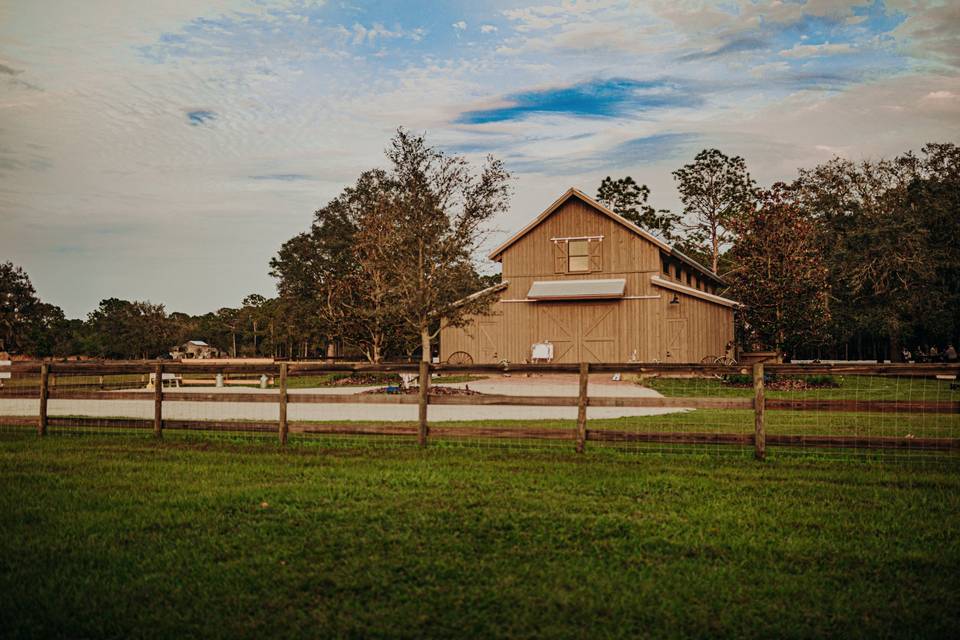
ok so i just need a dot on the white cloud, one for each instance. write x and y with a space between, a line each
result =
459 25
106 189
810 50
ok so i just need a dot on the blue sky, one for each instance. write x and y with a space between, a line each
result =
164 150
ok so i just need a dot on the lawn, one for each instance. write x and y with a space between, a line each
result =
126 537
849 388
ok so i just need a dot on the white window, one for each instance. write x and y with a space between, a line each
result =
578 255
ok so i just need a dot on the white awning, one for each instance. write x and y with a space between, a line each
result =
576 289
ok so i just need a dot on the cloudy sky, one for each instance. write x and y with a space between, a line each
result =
164 150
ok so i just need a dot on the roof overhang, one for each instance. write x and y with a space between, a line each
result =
497 288
577 289
657 281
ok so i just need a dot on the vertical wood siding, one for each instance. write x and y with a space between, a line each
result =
591 331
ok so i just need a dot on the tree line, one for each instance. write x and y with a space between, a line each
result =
124 329
845 253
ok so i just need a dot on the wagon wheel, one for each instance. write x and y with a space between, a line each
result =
709 360
726 361
460 357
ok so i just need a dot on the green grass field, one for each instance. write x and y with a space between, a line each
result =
849 388
105 537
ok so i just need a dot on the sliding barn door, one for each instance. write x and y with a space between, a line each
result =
598 332
580 332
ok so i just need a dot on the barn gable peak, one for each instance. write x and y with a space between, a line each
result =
573 192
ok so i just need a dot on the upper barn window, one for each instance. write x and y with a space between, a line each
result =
578 255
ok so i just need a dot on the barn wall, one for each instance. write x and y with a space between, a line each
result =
593 331
642 326
622 251
694 328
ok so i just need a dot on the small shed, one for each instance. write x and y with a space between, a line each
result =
194 350
598 288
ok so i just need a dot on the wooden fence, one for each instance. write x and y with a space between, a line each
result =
424 432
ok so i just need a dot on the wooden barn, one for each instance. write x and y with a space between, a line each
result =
595 287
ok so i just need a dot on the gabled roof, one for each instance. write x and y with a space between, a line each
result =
572 192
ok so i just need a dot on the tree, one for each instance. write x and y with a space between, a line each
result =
628 199
27 324
123 329
716 190
390 257
438 221
333 272
252 314
18 305
231 319
779 276
888 229
374 308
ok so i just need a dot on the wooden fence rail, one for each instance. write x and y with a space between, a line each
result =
423 431
320 367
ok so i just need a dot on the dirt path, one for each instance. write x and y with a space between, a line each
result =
548 385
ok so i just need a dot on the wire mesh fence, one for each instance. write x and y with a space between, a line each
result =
899 412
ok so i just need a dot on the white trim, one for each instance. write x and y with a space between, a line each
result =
5 375
5 363
587 238
690 291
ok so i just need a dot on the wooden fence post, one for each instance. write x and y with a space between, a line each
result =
759 404
158 402
283 404
424 390
44 394
582 407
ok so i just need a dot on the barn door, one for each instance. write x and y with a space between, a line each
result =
488 335
675 345
558 324
598 333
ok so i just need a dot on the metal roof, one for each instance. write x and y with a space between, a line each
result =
576 289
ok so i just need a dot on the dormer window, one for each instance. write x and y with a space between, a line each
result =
578 256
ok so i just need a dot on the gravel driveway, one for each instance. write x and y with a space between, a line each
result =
547 385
